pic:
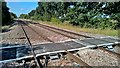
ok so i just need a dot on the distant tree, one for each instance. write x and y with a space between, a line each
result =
25 16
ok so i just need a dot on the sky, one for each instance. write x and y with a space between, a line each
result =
22 0
21 7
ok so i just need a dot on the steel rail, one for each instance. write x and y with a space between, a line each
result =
57 32
34 55
78 59
72 56
41 35
111 52
54 28
101 48
65 31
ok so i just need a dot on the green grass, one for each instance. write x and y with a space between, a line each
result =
5 28
68 26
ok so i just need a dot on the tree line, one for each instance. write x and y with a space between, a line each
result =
7 17
100 15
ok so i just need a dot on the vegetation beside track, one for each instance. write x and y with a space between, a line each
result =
5 28
68 26
93 17
96 15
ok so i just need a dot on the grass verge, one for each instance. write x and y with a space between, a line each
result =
68 26
5 28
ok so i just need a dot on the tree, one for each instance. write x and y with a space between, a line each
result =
32 13
24 16
85 14
13 15
6 18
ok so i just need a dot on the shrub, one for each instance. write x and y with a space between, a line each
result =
55 20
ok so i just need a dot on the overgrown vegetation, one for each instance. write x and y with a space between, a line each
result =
100 15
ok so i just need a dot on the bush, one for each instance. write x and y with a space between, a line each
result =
55 20
5 28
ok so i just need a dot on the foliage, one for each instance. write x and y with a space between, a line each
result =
5 28
24 16
55 20
13 15
102 15
7 17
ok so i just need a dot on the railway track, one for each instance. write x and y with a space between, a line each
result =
44 37
34 55
55 30
62 32
31 46
70 34
67 33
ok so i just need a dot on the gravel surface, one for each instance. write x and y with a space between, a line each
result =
16 35
63 31
49 34
98 57
60 62
34 37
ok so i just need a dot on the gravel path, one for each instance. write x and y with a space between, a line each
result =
98 57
